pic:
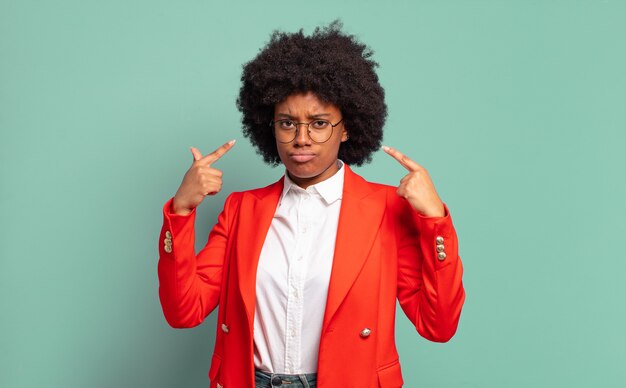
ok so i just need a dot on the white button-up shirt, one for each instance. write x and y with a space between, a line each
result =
293 276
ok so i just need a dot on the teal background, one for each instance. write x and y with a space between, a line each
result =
516 108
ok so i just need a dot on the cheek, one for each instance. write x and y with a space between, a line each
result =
337 144
282 152
280 148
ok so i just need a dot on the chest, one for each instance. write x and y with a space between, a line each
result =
297 254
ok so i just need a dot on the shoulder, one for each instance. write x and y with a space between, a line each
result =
261 192
359 187
236 197
356 183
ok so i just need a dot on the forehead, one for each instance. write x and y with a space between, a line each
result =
305 103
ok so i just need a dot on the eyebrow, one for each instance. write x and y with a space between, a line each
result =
309 116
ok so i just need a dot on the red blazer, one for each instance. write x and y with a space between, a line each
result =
384 251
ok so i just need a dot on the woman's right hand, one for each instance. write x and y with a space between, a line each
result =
200 180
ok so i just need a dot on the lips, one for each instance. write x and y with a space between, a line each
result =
301 157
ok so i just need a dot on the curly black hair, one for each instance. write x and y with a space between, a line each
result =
334 66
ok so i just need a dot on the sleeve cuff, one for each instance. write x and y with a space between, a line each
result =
438 237
176 221
176 228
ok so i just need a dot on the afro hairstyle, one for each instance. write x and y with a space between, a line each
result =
334 66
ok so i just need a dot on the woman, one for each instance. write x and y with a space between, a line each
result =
307 270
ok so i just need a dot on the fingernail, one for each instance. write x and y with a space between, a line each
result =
232 142
385 148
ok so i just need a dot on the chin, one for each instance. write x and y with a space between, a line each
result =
302 171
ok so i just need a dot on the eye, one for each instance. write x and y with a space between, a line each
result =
320 124
286 124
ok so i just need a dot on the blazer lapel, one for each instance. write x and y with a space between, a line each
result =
257 211
359 221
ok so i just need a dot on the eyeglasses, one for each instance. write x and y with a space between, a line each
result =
319 130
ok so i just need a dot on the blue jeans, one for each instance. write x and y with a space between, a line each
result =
272 380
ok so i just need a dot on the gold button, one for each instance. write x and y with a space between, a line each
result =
365 333
219 385
168 234
441 256
167 241
439 240
440 248
168 248
224 328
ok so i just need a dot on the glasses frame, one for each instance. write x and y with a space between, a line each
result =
308 131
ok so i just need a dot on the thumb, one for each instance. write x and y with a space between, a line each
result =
197 155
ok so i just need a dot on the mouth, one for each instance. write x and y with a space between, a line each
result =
301 157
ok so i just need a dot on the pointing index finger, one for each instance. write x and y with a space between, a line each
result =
404 160
218 153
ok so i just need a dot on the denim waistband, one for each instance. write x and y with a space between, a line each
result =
271 380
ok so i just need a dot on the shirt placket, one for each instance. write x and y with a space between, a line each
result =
296 278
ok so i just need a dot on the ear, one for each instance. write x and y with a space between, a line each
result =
344 134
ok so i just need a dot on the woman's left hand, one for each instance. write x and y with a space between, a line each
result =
417 187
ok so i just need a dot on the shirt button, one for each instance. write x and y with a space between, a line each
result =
225 328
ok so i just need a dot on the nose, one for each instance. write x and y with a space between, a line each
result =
302 135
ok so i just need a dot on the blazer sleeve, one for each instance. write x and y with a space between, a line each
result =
189 284
430 286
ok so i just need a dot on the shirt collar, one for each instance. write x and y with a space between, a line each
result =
330 189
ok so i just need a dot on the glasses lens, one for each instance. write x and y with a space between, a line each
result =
285 130
320 130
